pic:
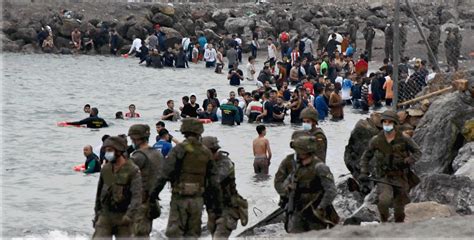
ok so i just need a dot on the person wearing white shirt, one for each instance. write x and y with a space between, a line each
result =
210 56
251 69
136 45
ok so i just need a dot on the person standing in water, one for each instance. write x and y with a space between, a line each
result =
261 151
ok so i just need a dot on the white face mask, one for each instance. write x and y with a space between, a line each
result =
388 128
307 126
110 156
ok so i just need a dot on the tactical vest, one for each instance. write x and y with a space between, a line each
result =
117 195
192 176
308 181
150 169
389 157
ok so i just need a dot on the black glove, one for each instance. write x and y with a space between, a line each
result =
155 210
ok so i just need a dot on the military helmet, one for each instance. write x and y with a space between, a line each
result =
309 113
139 131
191 125
117 143
391 116
304 144
211 142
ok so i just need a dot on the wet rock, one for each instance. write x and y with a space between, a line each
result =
448 15
439 132
68 26
211 35
61 42
11 46
377 22
8 27
163 20
463 164
376 6
65 51
30 48
236 25
468 130
172 36
167 10
26 34
366 213
330 22
423 211
452 190
221 15
346 202
210 25
381 13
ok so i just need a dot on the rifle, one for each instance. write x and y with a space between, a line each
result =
354 184
270 219
290 206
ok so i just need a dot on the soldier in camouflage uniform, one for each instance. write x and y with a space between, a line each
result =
323 37
451 51
363 131
305 177
352 29
119 192
403 39
434 41
309 116
234 206
393 153
369 35
192 172
149 161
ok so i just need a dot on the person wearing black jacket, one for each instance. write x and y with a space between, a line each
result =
114 42
93 121
181 61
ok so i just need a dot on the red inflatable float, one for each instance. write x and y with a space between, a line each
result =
205 121
79 168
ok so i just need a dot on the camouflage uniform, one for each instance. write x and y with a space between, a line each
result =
314 189
403 39
392 164
149 161
191 171
389 42
451 51
321 143
234 206
323 37
369 35
363 131
434 41
118 196
352 29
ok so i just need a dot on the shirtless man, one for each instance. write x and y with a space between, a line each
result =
261 151
76 39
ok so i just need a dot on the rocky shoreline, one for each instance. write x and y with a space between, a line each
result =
21 23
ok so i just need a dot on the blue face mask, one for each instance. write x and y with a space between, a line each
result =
388 128
307 126
110 156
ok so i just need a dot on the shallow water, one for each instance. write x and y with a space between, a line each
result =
44 197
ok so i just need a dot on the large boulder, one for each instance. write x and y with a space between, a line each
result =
210 25
30 48
68 26
452 190
377 5
163 20
463 164
346 202
167 10
236 25
221 15
8 27
172 36
439 132
377 22
26 34
200 13
61 42
423 211
330 22
305 27
211 35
